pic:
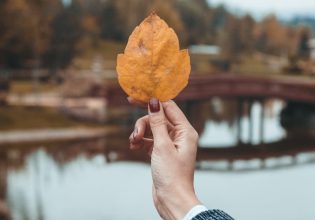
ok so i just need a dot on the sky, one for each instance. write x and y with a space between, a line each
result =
259 8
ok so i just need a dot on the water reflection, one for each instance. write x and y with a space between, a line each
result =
88 187
29 189
223 134
83 188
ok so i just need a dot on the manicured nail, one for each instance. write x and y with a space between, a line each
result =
154 105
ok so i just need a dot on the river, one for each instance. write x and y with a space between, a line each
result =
80 181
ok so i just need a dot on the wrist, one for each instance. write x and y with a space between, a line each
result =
178 204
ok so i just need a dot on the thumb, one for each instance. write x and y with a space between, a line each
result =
158 122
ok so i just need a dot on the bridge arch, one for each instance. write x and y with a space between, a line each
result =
243 89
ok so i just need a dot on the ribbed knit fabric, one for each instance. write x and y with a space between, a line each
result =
213 215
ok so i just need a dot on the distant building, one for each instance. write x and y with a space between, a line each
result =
206 59
204 49
311 44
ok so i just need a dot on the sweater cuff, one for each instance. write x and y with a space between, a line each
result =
214 214
196 210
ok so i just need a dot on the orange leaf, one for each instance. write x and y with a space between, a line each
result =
153 66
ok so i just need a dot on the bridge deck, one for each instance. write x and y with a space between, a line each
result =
241 87
234 86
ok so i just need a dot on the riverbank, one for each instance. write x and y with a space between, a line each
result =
59 134
14 118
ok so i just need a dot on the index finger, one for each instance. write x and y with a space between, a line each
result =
136 102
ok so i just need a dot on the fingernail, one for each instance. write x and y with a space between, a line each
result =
154 105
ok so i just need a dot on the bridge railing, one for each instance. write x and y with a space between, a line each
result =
233 86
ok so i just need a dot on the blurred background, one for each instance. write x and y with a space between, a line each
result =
65 122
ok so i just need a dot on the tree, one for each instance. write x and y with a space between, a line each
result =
303 50
247 38
17 33
109 22
271 37
196 17
230 39
66 31
25 36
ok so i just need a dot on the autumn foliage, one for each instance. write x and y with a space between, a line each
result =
153 64
51 33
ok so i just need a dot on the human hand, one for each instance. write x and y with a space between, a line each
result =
173 155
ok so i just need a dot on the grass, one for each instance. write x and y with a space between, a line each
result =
258 65
106 50
14 118
252 65
23 86
200 64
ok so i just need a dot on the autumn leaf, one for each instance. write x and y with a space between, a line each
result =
153 64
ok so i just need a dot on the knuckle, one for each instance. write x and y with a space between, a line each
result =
162 148
138 122
193 134
142 119
163 142
141 122
157 121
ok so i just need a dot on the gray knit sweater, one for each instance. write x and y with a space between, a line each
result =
213 215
